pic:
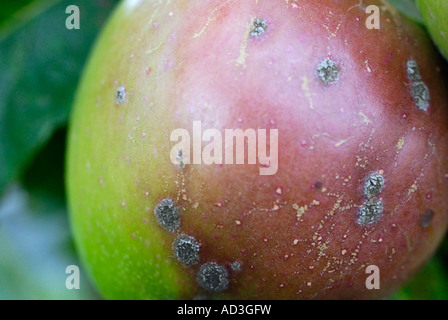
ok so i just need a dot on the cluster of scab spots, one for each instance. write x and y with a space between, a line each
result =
372 209
211 276
328 72
419 90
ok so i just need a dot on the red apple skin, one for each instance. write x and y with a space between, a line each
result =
295 233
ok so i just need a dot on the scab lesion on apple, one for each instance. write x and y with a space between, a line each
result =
419 90
373 185
168 215
259 27
372 209
120 95
186 249
328 71
370 212
213 277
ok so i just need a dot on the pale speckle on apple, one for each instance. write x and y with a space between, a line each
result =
213 277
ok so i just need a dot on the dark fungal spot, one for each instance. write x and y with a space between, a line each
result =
168 216
370 212
186 249
259 27
426 218
213 277
373 184
318 185
328 71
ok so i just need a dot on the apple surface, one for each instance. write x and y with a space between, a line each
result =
435 15
258 150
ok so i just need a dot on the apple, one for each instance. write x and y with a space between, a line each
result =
258 150
434 13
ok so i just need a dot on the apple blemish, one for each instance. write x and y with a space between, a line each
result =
419 90
370 212
373 185
213 277
168 216
120 96
236 266
186 249
259 27
328 71
426 218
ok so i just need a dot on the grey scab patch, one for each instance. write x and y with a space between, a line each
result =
259 27
168 216
236 266
420 94
213 277
328 71
426 218
373 184
419 90
186 249
370 212
120 95
413 71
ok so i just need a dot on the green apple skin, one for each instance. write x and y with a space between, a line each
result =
435 16
160 65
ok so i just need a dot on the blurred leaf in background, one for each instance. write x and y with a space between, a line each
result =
429 284
40 62
408 8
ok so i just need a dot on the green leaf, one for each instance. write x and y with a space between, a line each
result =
431 283
409 9
36 244
36 249
44 178
40 62
8 9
